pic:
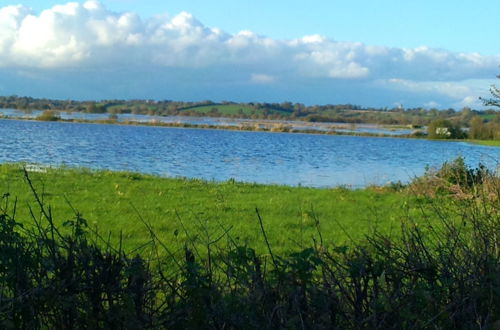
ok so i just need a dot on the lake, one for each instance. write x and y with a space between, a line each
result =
262 157
215 121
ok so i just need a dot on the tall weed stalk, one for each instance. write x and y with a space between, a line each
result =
441 272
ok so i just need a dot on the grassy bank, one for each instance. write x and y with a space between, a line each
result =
439 269
116 201
492 143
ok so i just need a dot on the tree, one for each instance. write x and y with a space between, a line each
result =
444 129
95 108
495 100
466 115
476 128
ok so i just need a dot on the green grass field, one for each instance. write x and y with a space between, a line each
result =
493 143
180 209
211 267
117 107
487 116
231 109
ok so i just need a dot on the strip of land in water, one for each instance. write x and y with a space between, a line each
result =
449 124
264 126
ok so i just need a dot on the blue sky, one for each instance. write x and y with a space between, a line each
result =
373 53
470 26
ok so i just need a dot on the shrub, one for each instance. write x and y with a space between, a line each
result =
445 276
457 179
444 129
49 115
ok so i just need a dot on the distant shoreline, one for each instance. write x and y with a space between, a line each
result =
278 127
267 125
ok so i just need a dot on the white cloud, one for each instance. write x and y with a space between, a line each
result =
260 78
469 101
464 93
431 104
313 39
445 88
87 36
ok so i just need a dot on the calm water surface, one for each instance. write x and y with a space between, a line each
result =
292 159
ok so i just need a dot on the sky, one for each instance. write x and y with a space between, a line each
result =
383 53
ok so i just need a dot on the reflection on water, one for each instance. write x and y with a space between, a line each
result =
281 158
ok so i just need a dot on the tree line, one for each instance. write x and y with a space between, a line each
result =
448 123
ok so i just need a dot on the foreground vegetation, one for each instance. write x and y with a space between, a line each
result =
116 201
439 269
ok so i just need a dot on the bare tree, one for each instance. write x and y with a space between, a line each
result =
495 99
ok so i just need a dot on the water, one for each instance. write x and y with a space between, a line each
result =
280 158
296 125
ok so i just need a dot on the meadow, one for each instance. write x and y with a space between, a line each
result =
120 202
232 110
492 143
195 254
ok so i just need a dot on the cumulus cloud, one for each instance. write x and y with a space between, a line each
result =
88 36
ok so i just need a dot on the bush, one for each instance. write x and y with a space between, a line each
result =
457 179
445 276
444 129
49 115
